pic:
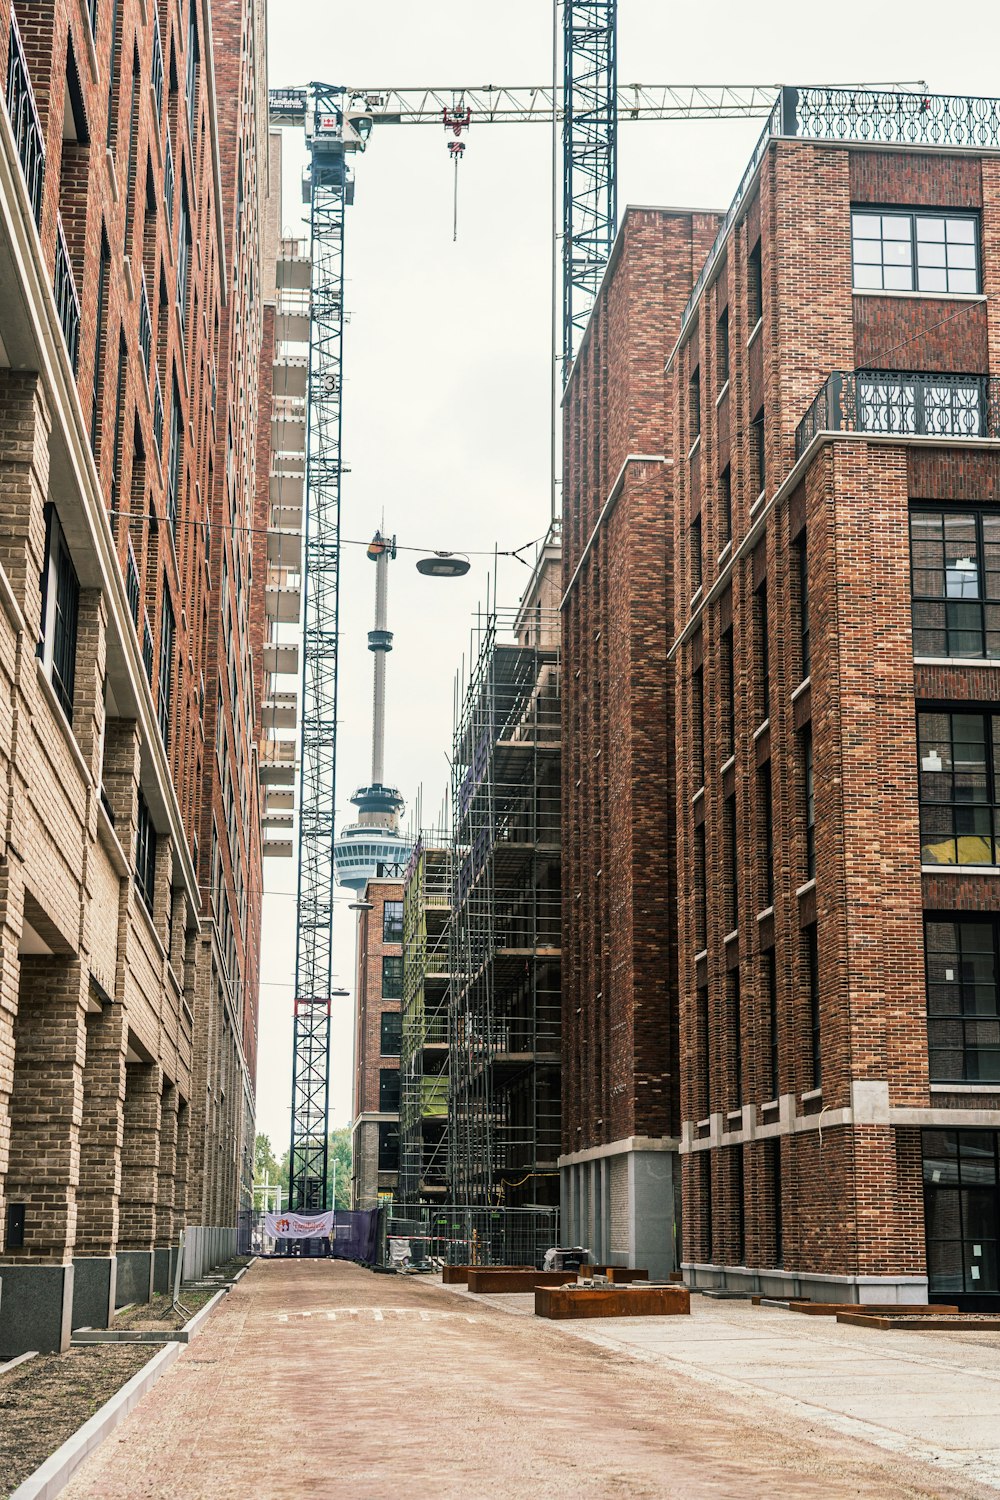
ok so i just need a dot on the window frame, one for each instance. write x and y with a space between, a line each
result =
391 959
982 602
962 1018
388 1076
392 921
989 804
60 614
872 210
386 1015
145 854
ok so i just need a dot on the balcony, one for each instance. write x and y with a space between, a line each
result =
24 121
902 404
67 299
869 116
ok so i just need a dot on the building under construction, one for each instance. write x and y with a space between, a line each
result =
424 1052
505 990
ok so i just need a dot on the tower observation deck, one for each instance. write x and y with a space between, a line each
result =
374 845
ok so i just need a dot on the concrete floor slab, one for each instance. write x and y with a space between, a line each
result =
319 1379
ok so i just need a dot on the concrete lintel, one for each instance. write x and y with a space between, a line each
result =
620 1148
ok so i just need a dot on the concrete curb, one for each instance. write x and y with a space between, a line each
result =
55 1473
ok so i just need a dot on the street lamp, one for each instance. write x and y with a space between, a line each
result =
443 565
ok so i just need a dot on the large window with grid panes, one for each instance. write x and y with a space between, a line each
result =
962 955
959 755
955 580
901 251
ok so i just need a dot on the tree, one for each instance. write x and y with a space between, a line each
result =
264 1160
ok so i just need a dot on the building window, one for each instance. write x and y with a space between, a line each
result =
722 348
101 340
174 457
388 1091
732 864
698 725
725 506
962 1210
706 1052
145 855
809 797
771 985
191 82
728 670
773 1150
963 1000
955 577
811 940
805 652
694 405
132 583
763 653
958 799
388 1147
392 978
766 815
183 252
701 890
706 1198
694 542
758 463
60 613
736 1035
392 922
165 679
755 287
391 1033
739 1206
920 252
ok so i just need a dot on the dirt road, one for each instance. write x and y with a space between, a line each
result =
321 1380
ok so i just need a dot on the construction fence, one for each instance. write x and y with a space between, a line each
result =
463 1235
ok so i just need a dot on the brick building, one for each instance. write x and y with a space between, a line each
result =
836 444
377 1036
120 253
621 1111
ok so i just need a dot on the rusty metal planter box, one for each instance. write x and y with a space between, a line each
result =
494 1279
612 1302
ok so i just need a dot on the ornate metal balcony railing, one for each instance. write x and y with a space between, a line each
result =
899 402
67 299
157 411
168 183
156 71
26 125
145 326
864 115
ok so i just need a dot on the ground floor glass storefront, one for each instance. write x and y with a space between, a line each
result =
962 1215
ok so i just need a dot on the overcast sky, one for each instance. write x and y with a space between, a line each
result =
446 410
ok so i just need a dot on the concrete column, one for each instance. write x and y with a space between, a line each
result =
140 1182
88 692
651 1209
95 1261
46 1108
166 1218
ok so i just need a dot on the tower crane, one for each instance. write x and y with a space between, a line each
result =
587 106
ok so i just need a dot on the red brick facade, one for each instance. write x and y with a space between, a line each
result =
379 937
835 1135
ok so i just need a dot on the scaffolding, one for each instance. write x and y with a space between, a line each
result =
424 1050
505 931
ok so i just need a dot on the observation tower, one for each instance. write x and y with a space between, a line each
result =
373 845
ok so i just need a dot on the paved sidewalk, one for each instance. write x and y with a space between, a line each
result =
321 1380
933 1396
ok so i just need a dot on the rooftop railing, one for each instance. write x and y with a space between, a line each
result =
875 116
904 404
24 120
